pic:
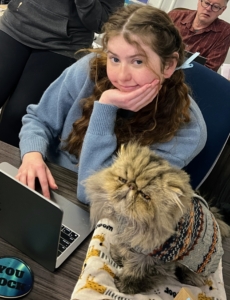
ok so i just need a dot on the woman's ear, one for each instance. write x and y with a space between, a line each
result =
171 65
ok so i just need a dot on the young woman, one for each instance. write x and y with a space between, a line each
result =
129 89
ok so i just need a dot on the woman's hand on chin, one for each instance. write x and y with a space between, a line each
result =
132 100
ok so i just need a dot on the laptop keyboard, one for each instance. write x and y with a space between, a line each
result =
67 238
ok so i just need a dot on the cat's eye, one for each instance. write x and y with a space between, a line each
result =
122 180
146 197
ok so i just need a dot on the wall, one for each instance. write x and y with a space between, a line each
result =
168 5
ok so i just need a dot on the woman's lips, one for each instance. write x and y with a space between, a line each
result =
128 88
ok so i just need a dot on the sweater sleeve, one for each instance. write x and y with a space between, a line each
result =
99 144
189 140
94 13
43 124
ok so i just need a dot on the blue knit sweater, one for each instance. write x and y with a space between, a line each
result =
48 124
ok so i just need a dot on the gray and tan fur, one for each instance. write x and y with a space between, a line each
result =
146 198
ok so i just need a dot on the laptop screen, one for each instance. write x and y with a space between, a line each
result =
200 59
29 221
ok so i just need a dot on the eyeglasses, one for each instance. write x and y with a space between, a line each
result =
214 7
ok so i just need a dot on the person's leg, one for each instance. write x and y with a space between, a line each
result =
42 68
13 57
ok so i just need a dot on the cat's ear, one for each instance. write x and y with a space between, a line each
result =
176 190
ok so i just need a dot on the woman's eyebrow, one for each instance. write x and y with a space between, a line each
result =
132 56
108 51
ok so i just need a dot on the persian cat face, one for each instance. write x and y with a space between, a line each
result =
140 187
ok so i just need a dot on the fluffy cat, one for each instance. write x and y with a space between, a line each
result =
163 229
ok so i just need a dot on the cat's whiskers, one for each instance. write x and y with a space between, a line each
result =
178 202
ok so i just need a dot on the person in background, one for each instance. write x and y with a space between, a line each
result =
202 31
128 90
38 41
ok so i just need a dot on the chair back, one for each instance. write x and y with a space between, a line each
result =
211 91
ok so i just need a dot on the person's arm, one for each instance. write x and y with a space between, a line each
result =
217 54
94 13
43 123
41 127
188 141
99 145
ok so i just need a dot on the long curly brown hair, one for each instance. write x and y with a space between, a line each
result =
159 120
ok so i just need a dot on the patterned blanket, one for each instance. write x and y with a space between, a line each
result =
97 277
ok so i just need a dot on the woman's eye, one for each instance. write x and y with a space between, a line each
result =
146 197
122 180
139 62
114 59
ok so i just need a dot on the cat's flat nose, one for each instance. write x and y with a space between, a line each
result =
132 186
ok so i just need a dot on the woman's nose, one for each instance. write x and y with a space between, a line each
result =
124 73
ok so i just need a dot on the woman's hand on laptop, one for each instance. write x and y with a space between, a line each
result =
34 166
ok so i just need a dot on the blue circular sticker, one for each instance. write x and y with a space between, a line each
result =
16 278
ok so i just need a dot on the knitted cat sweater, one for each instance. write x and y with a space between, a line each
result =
197 242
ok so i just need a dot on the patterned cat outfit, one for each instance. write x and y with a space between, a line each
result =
197 242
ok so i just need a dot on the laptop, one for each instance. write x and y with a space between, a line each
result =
47 231
200 59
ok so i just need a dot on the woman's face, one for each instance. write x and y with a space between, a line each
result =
127 66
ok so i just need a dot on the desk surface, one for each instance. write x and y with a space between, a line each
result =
60 284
